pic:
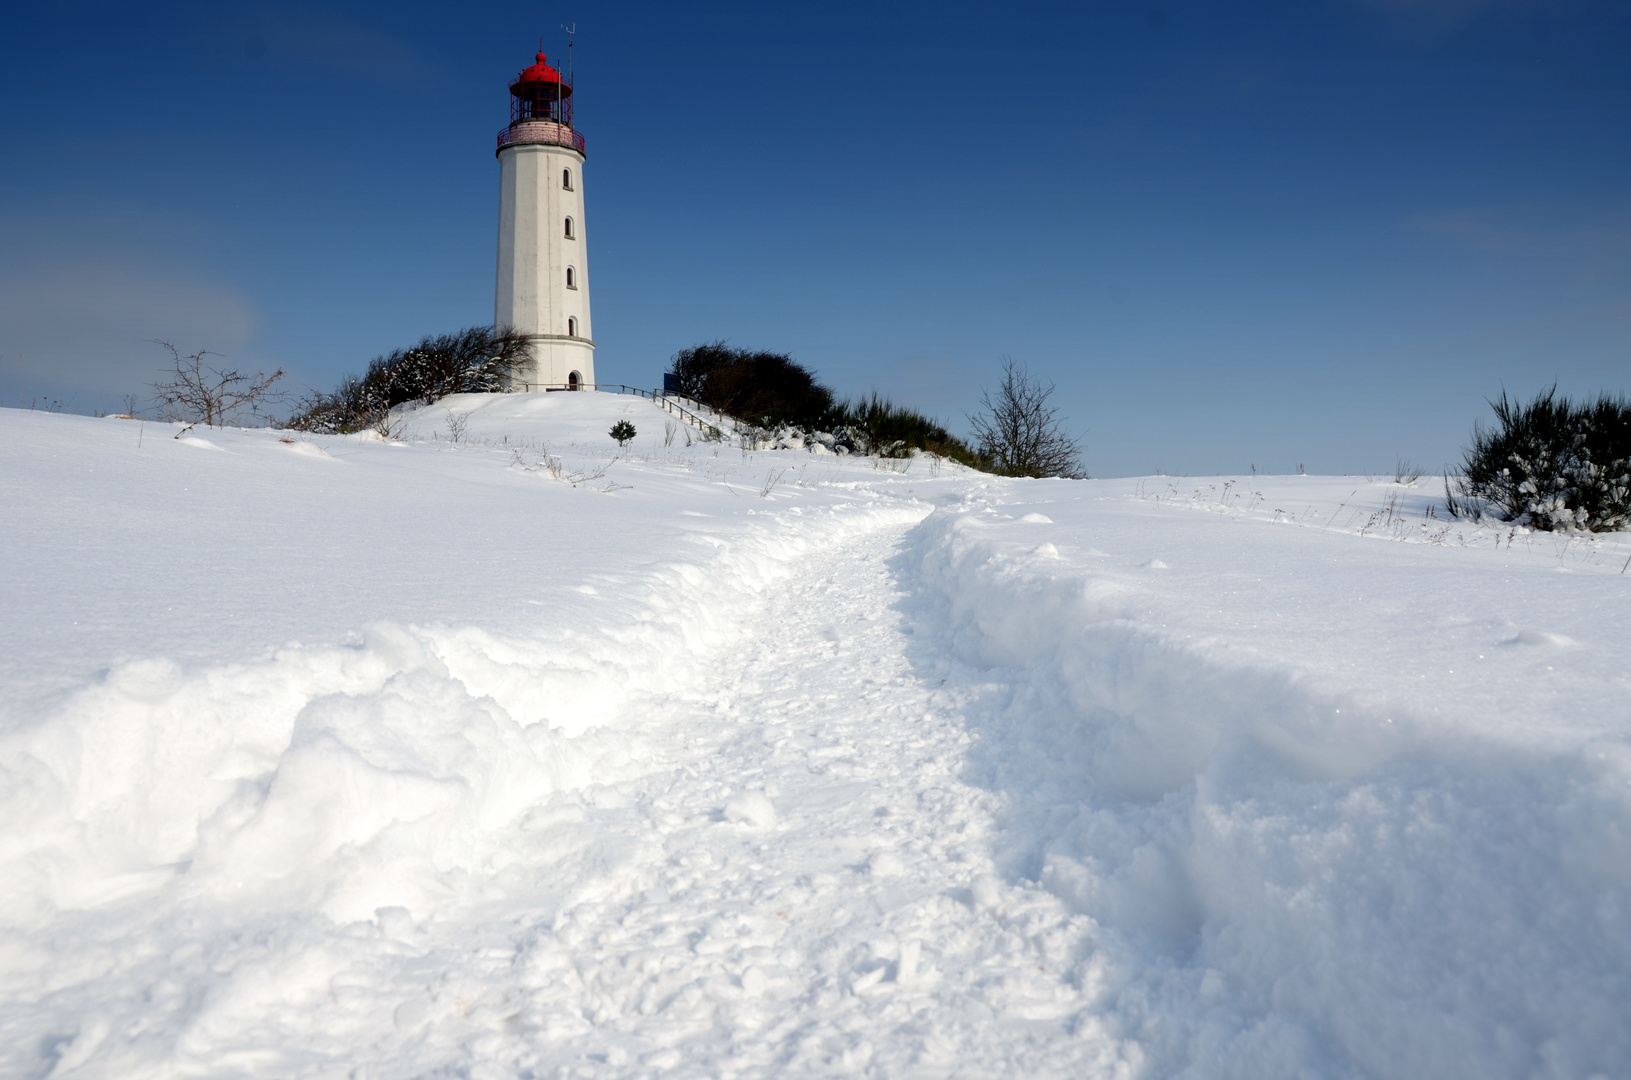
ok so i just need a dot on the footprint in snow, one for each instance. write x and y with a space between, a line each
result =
753 809
885 864
1542 638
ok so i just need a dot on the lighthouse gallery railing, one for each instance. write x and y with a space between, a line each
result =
545 132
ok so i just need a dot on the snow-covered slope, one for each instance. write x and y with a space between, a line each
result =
497 751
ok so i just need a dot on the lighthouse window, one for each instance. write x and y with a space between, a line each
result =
566 179
571 278
569 228
571 327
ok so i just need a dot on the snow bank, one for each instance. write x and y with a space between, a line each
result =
1299 874
349 778
346 777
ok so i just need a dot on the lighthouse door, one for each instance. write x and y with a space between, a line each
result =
573 381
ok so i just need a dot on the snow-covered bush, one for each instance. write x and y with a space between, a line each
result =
477 360
1551 464
879 426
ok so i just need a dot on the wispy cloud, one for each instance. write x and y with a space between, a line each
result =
90 326
86 289
302 35
1432 18
1595 239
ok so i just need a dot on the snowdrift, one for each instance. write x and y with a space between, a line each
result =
1303 872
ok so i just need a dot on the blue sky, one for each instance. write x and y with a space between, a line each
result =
1234 235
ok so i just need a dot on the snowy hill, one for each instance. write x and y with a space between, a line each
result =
493 750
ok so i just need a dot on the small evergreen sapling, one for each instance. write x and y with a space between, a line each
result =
623 432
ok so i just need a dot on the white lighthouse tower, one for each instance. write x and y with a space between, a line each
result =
543 257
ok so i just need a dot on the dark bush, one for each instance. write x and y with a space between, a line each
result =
766 389
891 430
1550 464
474 361
771 391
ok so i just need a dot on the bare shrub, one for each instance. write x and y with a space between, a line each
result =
1019 433
197 393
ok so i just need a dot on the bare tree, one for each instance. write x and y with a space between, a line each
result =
200 394
1019 433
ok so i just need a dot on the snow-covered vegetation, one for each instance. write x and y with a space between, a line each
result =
495 749
777 402
475 360
1551 464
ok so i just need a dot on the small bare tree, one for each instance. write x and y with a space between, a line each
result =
1019 433
197 393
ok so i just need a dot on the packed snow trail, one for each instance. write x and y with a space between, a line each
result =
800 884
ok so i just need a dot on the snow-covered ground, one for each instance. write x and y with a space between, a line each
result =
494 751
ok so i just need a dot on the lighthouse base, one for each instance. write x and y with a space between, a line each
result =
558 363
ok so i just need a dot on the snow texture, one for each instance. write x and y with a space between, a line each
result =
491 750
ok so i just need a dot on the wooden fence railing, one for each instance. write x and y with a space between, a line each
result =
692 412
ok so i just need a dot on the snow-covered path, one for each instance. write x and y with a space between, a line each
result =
508 757
801 883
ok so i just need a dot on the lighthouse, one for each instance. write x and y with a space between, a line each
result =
543 256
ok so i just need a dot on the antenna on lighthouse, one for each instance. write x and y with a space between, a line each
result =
570 30
566 104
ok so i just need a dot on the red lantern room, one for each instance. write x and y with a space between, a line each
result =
538 93
540 109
